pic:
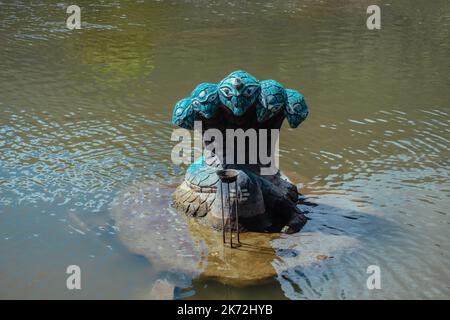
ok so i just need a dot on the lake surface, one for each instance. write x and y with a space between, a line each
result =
85 114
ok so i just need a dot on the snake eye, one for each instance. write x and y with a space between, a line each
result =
179 111
212 97
226 92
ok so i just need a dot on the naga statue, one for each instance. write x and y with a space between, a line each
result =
266 202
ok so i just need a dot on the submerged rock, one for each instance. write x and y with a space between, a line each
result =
182 250
247 263
162 290
149 226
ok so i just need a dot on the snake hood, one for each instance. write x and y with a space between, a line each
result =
237 93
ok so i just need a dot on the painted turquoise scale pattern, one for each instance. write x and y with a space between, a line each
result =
296 109
273 99
205 99
183 114
238 92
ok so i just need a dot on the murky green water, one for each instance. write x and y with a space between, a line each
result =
84 115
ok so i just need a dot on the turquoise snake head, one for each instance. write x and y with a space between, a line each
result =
183 114
271 101
238 91
205 99
296 109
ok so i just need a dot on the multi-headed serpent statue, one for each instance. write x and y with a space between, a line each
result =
267 202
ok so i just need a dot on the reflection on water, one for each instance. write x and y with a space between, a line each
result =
84 117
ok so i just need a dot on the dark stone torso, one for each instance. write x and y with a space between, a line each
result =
226 120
